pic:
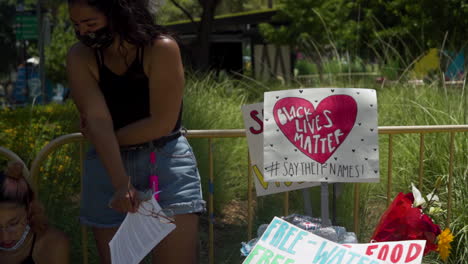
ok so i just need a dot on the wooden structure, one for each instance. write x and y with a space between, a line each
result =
237 45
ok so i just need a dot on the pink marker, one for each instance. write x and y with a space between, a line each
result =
154 181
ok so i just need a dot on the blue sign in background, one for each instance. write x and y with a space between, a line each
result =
456 68
20 90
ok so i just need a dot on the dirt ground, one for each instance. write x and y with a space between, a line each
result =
230 229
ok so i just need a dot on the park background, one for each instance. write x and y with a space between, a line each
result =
334 43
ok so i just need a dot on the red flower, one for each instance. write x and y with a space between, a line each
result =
402 221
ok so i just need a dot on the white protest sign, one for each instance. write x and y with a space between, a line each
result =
397 252
321 135
253 122
284 243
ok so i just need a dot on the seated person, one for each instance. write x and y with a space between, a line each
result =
25 236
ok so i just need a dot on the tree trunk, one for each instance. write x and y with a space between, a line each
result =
204 31
270 3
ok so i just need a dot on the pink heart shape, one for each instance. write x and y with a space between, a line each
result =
317 133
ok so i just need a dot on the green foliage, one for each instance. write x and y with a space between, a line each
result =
340 65
232 6
367 29
237 6
63 37
391 69
25 130
215 104
309 19
169 13
305 67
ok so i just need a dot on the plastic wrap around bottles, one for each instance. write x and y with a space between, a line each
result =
336 234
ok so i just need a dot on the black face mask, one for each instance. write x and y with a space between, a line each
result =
99 39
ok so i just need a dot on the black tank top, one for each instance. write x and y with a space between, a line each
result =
127 95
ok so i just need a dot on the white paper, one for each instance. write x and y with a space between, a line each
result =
321 135
138 235
395 252
253 121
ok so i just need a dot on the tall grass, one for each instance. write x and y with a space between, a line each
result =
405 105
214 103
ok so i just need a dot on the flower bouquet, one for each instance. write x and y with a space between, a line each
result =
405 219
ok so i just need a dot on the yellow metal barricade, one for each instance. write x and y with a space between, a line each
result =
10 155
211 135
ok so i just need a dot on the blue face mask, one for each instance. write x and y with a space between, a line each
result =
20 242
99 39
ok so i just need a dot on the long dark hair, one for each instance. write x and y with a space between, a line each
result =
130 19
15 189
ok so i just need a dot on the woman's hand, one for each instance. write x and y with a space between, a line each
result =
125 200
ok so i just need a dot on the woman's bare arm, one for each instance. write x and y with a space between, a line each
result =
92 107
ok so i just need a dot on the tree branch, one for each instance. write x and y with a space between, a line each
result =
187 13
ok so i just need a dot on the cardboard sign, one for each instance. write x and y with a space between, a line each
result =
321 135
399 252
253 121
283 243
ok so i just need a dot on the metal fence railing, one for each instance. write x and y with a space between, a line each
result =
451 130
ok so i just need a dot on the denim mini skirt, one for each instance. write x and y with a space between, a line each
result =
176 168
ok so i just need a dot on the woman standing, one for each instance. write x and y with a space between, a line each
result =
126 79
